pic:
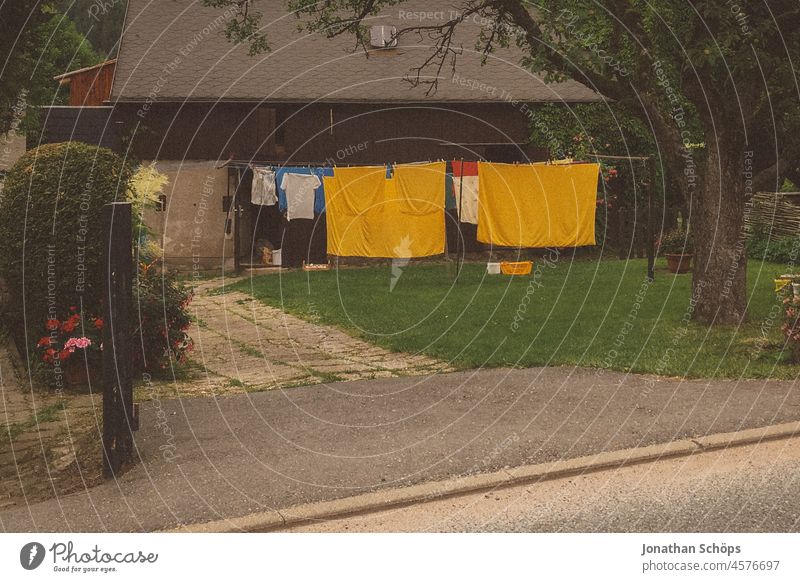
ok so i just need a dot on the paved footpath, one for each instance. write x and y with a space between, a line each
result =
242 345
205 459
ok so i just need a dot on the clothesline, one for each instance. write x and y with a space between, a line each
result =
289 164
285 163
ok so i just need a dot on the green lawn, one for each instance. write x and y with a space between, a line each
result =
575 312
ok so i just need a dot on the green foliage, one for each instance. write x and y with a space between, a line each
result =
762 247
19 22
574 131
677 241
51 229
147 184
245 25
163 320
44 43
100 22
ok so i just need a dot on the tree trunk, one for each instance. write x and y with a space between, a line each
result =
720 272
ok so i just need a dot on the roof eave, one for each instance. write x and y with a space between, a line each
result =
172 100
66 76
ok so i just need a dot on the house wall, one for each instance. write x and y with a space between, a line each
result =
92 125
198 131
192 227
337 133
376 134
12 146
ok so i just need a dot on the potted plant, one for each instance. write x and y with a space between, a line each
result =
791 322
72 347
678 249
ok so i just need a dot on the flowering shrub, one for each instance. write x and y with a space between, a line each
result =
791 322
71 336
161 335
677 241
609 173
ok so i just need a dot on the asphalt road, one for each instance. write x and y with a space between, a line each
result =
746 489
209 459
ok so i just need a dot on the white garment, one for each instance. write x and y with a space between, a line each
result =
263 192
469 204
299 190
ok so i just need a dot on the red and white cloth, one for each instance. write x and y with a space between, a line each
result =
465 190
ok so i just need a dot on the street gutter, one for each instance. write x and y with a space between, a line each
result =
286 519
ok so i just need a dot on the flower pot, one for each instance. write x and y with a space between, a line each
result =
76 376
679 263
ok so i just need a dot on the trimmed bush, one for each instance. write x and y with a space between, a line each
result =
51 233
51 230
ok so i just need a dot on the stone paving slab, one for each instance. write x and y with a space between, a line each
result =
242 345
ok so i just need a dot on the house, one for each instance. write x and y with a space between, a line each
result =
87 117
204 110
90 86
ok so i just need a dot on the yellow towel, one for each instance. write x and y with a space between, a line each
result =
353 208
529 205
414 224
370 216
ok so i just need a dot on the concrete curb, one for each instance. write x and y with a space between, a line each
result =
394 498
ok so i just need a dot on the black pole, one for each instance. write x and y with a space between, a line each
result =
651 250
460 246
237 261
119 421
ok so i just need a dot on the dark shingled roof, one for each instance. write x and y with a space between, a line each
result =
175 50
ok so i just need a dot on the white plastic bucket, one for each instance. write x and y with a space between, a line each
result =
276 257
493 268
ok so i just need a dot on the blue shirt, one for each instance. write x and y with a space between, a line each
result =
319 193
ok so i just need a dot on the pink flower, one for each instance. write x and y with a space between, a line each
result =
77 342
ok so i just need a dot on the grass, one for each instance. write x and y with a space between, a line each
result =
589 313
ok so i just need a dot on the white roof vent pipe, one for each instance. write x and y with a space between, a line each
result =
382 37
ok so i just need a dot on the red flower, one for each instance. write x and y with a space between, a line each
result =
70 324
53 324
45 341
98 323
73 308
64 355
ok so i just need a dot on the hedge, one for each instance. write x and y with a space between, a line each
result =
51 229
